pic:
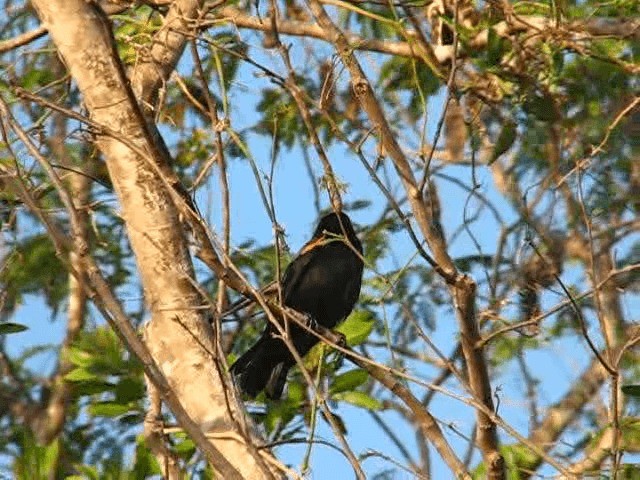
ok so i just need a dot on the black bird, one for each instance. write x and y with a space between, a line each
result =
323 281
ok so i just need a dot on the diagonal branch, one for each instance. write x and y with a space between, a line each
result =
462 287
83 37
97 288
564 412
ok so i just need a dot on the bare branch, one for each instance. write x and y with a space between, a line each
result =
442 53
462 287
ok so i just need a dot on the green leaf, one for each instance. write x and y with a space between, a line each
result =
348 381
357 327
129 389
88 472
186 448
108 409
280 117
505 140
399 73
9 327
517 458
79 357
34 78
359 399
495 48
145 464
296 392
33 267
531 8
80 375
111 361
631 390
629 470
280 414
91 387
541 106
51 453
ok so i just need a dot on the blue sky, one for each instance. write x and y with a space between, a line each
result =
296 213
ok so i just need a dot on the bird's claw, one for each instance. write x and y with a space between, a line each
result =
312 323
341 341
332 335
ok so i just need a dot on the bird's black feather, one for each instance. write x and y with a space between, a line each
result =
323 281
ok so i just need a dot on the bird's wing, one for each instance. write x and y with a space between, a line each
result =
268 290
311 244
292 275
353 287
296 270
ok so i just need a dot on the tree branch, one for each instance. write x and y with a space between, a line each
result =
462 287
84 39
629 28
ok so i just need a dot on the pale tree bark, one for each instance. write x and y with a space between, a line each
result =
178 336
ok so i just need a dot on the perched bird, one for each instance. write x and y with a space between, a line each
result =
323 282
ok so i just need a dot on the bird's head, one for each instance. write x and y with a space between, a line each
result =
336 224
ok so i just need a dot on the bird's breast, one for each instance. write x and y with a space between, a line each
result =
329 287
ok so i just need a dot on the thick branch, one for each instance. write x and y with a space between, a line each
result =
155 439
462 287
99 291
83 38
629 28
169 42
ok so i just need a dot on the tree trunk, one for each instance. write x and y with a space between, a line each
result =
178 335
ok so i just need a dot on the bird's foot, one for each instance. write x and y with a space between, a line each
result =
339 338
333 336
313 324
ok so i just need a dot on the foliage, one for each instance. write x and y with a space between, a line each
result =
527 160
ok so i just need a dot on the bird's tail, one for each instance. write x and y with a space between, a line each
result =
263 367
